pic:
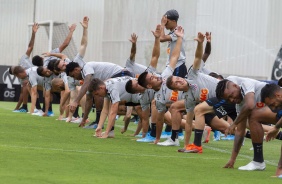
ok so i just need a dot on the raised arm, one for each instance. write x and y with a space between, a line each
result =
58 55
84 38
208 47
133 40
164 38
68 38
199 51
156 48
176 51
31 42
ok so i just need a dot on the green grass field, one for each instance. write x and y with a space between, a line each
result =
42 150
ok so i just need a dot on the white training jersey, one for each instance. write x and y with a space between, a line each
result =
146 98
201 88
116 90
137 69
25 62
248 85
33 78
100 70
171 46
47 59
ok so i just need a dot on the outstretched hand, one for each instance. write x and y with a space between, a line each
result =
133 38
200 38
35 27
164 20
84 23
72 27
157 32
179 31
208 36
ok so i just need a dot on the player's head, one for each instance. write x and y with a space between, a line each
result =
37 60
229 91
271 95
73 70
19 72
177 83
97 87
133 87
11 70
280 82
149 80
51 66
58 85
216 75
172 18
44 72
61 65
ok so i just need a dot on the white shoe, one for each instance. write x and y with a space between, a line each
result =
169 142
78 120
253 166
38 113
111 134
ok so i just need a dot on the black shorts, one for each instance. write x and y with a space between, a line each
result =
222 108
209 117
123 73
131 104
180 71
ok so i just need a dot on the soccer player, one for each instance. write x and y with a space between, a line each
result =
271 95
26 64
245 93
157 83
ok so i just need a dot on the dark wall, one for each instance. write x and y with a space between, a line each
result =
10 87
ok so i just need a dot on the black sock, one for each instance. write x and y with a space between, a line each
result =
149 129
82 115
113 128
168 128
279 136
98 114
37 104
174 134
154 129
75 114
198 137
50 107
248 134
258 154
180 130
24 106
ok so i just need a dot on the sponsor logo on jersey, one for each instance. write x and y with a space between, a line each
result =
204 94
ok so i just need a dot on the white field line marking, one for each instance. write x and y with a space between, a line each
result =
121 154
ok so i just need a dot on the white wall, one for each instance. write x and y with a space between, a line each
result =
246 35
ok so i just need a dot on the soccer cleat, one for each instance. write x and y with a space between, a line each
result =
50 113
169 142
216 135
228 138
253 166
23 110
16 110
38 113
180 136
206 134
78 120
192 148
148 138
111 134
165 135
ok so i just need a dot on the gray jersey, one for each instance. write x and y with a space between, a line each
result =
116 90
47 59
137 69
73 83
171 46
146 98
248 85
33 78
79 59
201 87
25 62
164 95
100 70
48 80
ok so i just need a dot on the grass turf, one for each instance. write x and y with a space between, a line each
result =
42 150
